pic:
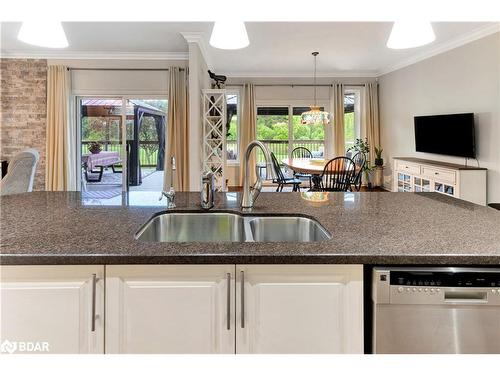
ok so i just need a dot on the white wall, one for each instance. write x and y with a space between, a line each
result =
119 82
465 79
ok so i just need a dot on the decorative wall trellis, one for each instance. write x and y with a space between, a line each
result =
214 135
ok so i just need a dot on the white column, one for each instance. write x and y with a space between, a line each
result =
198 80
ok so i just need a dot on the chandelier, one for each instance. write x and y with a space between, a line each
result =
315 115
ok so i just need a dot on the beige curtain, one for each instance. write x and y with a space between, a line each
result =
248 131
60 144
177 131
337 108
370 118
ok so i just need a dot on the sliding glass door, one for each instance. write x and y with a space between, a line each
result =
101 148
122 146
146 129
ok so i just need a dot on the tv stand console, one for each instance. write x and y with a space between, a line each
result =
421 175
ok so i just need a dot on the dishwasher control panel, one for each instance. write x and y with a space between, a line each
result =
448 285
444 279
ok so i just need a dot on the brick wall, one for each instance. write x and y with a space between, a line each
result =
23 110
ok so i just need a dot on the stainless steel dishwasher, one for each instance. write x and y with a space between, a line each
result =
436 310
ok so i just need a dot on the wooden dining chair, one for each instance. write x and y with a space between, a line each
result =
302 153
338 174
359 160
281 179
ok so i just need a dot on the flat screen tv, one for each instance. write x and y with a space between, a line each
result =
446 134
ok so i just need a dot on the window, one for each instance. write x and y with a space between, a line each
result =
352 121
153 118
100 123
233 120
281 130
273 130
311 137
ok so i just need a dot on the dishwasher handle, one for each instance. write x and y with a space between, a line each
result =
465 296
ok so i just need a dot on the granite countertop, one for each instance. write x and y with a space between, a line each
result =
366 228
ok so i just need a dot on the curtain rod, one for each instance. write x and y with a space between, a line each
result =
236 84
127 69
298 85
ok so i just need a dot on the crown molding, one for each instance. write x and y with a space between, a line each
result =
331 74
443 47
198 38
95 55
193 36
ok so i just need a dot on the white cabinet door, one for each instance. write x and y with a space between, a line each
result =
170 309
52 309
299 309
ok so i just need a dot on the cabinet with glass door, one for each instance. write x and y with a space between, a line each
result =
404 182
444 188
421 184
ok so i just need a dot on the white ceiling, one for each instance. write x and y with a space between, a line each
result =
276 48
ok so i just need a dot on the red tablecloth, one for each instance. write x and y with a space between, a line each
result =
102 159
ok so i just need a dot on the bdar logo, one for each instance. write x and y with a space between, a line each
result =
8 347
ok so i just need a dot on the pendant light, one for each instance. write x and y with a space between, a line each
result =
43 34
315 115
229 35
410 34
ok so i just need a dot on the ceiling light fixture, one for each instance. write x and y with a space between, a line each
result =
229 35
315 115
410 34
43 34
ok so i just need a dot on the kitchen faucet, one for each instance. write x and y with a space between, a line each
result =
207 190
250 193
170 194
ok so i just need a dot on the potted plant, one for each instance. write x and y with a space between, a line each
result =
378 157
94 147
363 146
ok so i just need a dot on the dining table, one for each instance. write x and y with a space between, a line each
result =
312 166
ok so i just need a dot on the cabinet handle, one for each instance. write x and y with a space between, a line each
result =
95 279
242 301
228 312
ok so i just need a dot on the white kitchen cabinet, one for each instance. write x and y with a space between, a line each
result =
299 309
52 309
170 309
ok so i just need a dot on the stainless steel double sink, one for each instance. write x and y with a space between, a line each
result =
230 227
